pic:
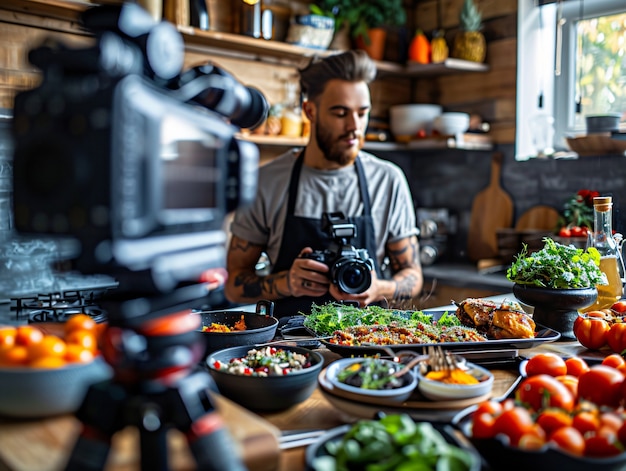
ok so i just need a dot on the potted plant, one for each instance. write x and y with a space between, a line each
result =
365 19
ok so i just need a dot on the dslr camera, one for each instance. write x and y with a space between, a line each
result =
121 151
350 268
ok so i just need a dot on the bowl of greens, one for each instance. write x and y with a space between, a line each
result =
372 377
394 441
556 281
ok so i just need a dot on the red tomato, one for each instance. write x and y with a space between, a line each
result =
614 360
565 232
482 425
490 407
591 331
576 366
514 423
616 338
543 391
569 439
602 444
611 420
586 421
546 363
601 385
577 231
570 382
619 306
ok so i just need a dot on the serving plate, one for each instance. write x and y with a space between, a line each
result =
542 335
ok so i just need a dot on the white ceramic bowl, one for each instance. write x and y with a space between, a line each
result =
452 123
440 391
35 392
402 393
407 120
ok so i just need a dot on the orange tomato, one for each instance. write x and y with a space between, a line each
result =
84 338
17 355
80 322
576 366
48 362
49 346
28 335
551 420
569 439
7 335
75 353
614 359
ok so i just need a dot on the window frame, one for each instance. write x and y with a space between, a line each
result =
538 32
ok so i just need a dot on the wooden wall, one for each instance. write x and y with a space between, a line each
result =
491 94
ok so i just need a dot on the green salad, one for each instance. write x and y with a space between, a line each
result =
327 318
557 266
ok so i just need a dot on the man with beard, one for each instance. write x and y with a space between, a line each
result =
332 174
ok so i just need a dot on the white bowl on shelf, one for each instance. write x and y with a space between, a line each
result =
407 120
452 123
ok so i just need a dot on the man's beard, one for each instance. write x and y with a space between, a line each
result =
329 146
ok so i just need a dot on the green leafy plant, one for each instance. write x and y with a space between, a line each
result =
578 210
557 266
362 15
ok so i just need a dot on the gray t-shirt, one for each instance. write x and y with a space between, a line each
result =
322 191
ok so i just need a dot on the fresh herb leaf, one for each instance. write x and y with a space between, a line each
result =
557 266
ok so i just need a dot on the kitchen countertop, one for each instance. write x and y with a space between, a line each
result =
467 275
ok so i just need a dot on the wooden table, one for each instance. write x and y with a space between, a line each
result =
44 445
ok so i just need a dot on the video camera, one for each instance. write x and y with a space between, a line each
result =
133 158
350 268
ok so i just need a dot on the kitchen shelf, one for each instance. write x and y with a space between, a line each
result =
279 141
244 47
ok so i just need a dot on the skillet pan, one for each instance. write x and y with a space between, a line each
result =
260 327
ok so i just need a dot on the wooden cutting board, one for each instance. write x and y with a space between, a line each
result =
492 209
539 217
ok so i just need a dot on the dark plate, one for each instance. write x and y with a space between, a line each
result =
543 335
500 455
318 449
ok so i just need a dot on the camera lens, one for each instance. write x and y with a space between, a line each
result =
352 277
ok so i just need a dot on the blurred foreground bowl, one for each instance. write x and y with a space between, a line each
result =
269 393
34 392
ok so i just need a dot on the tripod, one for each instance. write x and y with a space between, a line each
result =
156 386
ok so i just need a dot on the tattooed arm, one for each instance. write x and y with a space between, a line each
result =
243 284
407 279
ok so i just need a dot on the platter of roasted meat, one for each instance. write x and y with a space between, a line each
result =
476 324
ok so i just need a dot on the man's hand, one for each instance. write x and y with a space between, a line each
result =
308 277
365 298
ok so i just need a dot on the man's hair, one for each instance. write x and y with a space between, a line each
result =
352 66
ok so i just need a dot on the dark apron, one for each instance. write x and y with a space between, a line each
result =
300 232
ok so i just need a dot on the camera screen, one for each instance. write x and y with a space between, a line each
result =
190 170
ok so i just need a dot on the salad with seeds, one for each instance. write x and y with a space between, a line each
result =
267 361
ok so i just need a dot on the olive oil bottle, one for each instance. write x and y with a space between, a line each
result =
611 262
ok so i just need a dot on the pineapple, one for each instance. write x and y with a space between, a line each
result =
469 43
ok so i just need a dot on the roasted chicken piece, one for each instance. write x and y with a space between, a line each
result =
504 321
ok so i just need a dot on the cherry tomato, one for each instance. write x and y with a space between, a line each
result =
546 363
565 232
613 360
544 391
514 423
591 331
601 385
576 366
619 306
577 231
569 439
491 407
611 420
616 338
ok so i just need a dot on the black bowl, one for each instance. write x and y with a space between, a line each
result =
556 308
271 393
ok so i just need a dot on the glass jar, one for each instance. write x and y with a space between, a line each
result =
610 258
291 119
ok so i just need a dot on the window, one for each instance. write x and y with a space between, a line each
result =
571 63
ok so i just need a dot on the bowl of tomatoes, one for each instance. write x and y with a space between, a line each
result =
602 329
563 414
45 370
